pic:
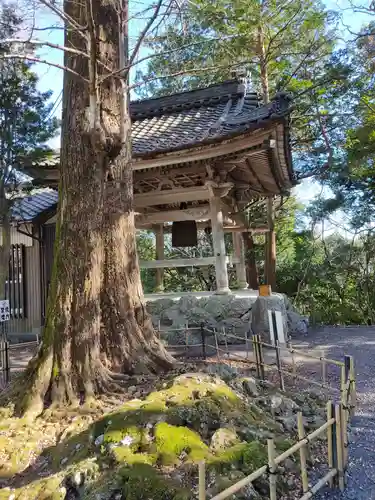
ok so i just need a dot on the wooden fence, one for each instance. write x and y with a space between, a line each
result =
337 458
347 388
335 428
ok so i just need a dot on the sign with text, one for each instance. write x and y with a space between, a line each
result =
4 310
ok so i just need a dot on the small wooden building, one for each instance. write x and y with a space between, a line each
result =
201 156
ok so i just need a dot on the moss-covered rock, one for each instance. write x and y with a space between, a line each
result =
224 438
142 482
175 443
135 450
246 457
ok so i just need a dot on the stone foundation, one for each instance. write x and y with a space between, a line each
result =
237 313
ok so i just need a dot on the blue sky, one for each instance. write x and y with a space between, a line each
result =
52 78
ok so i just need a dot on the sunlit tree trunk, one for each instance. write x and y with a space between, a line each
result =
97 325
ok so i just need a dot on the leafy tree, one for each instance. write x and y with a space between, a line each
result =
26 126
284 47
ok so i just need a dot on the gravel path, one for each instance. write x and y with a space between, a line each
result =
360 343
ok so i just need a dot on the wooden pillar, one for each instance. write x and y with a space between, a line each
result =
222 284
238 247
270 250
159 237
251 264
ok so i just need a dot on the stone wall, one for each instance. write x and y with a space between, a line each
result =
234 313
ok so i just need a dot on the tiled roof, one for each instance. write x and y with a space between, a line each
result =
29 207
189 119
199 116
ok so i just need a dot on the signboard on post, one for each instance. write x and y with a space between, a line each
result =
4 310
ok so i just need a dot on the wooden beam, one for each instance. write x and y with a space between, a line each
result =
193 213
238 218
178 195
197 262
242 142
227 228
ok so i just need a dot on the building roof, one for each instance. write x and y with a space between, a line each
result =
29 207
199 116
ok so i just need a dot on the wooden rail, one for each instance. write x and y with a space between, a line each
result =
335 428
335 459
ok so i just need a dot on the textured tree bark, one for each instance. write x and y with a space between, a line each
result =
270 261
96 322
5 243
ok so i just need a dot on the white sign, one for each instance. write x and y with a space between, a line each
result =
4 310
279 327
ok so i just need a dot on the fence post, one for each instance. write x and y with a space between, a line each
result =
278 361
330 441
203 336
343 385
261 357
246 345
294 367
339 447
226 342
353 390
256 353
272 468
217 345
302 452
202 480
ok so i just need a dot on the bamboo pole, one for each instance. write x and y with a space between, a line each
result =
340 466
344 426
226 342
256 352
279 369
330 441
303 453
241 484
272 468
261 357
294 366
202 480
305 355
328 478
217 345
343 386
246 345
353 389
305 441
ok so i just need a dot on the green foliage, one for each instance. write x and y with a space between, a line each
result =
142 482
172 441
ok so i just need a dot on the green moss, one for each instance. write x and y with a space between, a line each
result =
43 489
135 435
123 455
142 482
172 441
248 457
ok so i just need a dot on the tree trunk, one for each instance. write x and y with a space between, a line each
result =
251 264
96 322
5 244
270 260
270 247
